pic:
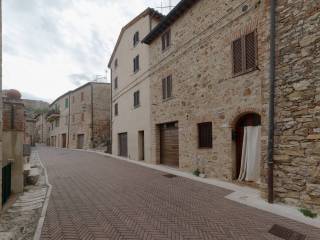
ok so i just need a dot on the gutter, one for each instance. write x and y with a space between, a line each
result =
92 143
68 141
271 99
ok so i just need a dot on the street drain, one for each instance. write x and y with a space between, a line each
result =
170 176
285 233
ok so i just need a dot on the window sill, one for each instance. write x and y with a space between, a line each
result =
137 106
167 99
166 49
244 73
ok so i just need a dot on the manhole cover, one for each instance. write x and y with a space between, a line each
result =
170 175
286 233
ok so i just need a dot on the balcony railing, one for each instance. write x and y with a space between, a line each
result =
53 115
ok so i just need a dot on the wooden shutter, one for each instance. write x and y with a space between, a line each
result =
250 51
169 86
116 109
164 88
163 40
205 135
237 56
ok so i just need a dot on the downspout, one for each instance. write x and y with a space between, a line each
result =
92 138
68 142
271 99
111 111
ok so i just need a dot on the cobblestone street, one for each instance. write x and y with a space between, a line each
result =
96 197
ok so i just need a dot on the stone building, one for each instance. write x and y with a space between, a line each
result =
130 88
42 129
210 94
12 146
81 118
297 119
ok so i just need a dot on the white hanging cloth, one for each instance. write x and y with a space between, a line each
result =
251 154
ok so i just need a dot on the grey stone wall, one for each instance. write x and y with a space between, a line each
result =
297 145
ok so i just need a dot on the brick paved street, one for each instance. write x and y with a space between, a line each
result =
96 197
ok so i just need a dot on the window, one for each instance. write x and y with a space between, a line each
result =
66 103
116 83
244 54
205 135
116 63
136 66
136 99
82 96
116 109
166 40
82 117
73 137
57 123
72 99
135 39
167 87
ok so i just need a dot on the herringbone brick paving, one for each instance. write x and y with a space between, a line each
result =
96 197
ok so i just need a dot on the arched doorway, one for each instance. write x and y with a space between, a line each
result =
249 119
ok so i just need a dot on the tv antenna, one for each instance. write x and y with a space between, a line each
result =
164 7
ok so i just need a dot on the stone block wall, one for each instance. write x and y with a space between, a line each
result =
297 142
204 88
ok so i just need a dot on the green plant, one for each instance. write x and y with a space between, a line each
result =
196 172
308 213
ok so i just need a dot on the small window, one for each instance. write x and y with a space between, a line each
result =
244 54
205 135
82 117
82 96
116 109
116 83
57 123
72 99
116 63
66 103
136 64
166 40
136 99
167 87
136 39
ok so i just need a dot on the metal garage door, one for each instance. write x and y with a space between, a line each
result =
123 144
169 144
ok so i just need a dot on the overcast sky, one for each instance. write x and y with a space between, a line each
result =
52 46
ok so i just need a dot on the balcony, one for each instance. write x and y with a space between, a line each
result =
53 114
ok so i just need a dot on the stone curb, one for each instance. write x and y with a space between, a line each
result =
37 234
241 194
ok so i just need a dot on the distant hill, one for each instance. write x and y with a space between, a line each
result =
34 107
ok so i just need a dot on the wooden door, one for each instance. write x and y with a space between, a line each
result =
123 144
169 144
64 140
80 141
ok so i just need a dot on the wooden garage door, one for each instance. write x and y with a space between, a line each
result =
123 144
169 144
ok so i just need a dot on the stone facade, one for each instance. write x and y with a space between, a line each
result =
42 129
13 139
297 136
204 88
81 118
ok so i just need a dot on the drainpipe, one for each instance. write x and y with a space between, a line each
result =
92 143
271 99
69 102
